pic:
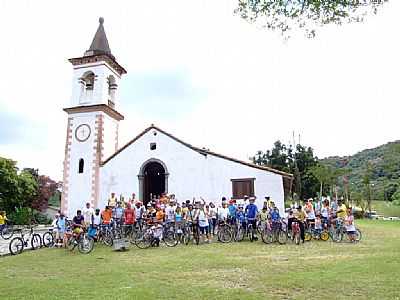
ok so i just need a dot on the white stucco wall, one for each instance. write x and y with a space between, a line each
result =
191 174
110 134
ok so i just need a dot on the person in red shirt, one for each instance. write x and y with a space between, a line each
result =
129 215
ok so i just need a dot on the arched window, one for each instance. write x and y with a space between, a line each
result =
87 86
112 88
81 166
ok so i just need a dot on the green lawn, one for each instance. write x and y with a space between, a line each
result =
316 270
386 208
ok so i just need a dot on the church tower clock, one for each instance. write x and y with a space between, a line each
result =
92 126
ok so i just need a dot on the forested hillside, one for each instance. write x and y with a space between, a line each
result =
383 165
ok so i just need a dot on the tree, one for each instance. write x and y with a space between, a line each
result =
47 188
305 14
367 184
297 162
16 189
323 174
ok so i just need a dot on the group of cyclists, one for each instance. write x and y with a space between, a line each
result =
206 219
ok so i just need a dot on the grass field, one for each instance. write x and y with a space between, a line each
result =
316 270
386 208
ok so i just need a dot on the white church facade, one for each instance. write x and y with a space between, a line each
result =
153 162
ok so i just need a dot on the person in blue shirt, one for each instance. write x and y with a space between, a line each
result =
232 212
275 217
251 213
240 216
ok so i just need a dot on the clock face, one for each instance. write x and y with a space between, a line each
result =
82 132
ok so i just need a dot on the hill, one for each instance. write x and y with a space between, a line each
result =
385 163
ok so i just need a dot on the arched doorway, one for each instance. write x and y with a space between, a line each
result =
153 179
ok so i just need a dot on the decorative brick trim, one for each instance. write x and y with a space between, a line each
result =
66 166
97 156
116 137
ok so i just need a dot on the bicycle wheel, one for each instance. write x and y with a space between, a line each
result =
108 239
7 232
71 243
186 236
170 239
358 235
337 236
282 237
132 236
266 236
16 246
324 236
143 240
85 244
48 239
224 235
36 241
307 236
297 238
239 234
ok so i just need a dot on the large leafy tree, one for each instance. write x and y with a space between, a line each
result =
296 161
17 189
284 15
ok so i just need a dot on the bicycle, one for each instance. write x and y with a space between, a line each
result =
224 232
274 232
239 231
251 231
84 242
191 232
104 235
316 234
338 233
7 231
18 244
146 238
296 232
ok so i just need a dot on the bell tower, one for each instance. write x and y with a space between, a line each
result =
93 120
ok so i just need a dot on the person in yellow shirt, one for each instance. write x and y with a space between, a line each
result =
300 216
112 201
3 219
341 212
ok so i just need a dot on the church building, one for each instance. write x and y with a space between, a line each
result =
154 161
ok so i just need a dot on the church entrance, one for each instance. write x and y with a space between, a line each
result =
154 180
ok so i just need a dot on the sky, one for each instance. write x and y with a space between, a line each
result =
201 73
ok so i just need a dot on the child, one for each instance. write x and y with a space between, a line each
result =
60 242
203 223
54 228
350 227
178 222
157 230
318 224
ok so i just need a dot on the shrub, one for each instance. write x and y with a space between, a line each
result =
27 215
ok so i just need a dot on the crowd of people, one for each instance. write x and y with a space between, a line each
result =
206 216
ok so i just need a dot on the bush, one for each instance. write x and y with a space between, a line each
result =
27 215
21 216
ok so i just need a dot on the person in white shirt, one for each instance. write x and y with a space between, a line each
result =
87 213
203 222
170 211
222 212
